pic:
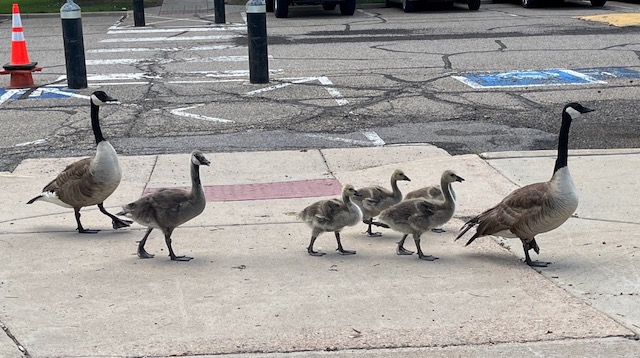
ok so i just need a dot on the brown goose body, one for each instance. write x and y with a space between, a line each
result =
89 181
168 208
332 215
416 216
433 193
375 199
535 208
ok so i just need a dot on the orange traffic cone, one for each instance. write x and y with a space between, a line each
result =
20 67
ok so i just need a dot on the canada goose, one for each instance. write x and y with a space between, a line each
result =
431 192
374 199
89 181
332 215
416 216
534 208
168 208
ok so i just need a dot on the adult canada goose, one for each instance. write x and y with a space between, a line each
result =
332 215
431 192
374 199
416 216
534 208
166 209
89 181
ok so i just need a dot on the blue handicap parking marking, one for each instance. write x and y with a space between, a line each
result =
526 78
604 73
46 92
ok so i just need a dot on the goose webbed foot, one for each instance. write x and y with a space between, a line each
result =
427 257
86 231
379 224
400 250
310 248
181 258
143 254
119 223
533 245
438 230
341 250
538 263
369 232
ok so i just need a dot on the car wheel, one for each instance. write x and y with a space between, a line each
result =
348 7
408 6
474 4
329 6
281 8
598 3
269 5
529 3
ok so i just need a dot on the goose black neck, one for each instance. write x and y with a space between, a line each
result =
195 175
95 123
563 142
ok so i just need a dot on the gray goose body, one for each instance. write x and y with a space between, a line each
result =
535 208
375 199
168 208
89 181
417 216
431 192
332 215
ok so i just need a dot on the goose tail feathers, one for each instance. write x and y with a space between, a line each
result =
466 227
34 199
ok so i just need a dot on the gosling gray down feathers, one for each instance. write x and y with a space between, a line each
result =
168 208
374 199
431 192
416 216
332 215
89 181
534 208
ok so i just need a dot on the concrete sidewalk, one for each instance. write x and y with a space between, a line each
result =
252 288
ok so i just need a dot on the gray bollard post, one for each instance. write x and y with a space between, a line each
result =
257 35
138 13
73 45
220 15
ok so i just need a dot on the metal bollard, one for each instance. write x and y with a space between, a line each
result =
138 13
218 8
257 35
73 45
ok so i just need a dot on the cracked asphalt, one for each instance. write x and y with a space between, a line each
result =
381 71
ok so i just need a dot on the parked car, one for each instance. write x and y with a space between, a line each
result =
411 5
535 3
281 7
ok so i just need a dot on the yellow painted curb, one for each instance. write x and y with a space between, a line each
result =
631 19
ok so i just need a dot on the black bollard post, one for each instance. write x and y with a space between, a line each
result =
138 13
73 45
257 34
218 7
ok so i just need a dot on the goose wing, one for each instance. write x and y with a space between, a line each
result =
74 185
327 211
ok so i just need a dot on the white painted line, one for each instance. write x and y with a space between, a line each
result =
583 76
63 93
338 139
333 91
7 95
177 29
166 49
281 85
131 61
161 39
35 142
204 81
374 137
230 73
180 112
98 84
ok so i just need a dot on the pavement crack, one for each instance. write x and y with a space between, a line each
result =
19 346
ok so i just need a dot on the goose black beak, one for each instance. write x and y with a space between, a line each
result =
459 179
205 162
357 193
587 110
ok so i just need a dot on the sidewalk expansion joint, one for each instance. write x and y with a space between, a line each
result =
20 347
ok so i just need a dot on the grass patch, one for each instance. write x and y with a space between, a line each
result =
53 6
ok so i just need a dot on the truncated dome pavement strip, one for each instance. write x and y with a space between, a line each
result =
264 191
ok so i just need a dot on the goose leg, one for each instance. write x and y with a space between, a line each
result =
115 221
422 256
172 255
310 248
532 245
400 250
142 253
340 249
81 229
369 233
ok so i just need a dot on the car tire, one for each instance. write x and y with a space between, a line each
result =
474 4
269 5
281 8
408 6
598 3
348 7
529 3
326 6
